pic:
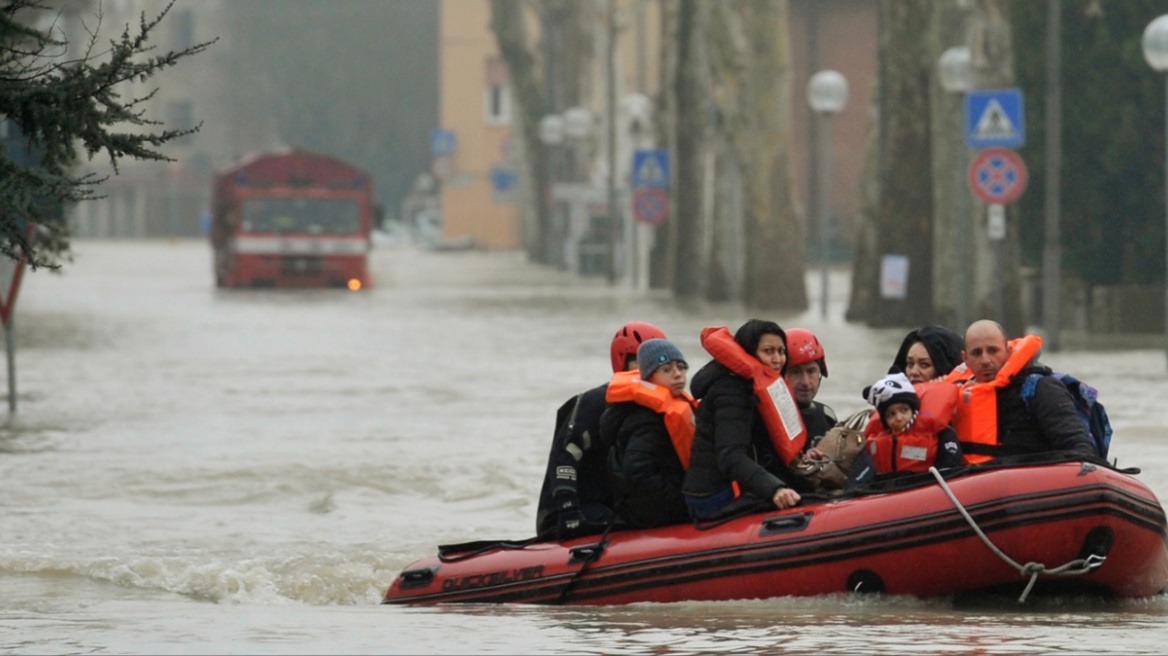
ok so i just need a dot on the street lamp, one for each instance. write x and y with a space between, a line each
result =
955 69
827 93
577 123
551 130
1155 45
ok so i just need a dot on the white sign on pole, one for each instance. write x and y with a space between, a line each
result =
894 277
996 221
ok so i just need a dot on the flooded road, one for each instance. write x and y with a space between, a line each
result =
193 470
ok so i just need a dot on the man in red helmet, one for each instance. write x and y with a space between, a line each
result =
806 369
576 498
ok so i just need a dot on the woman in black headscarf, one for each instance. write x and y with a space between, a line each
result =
928 353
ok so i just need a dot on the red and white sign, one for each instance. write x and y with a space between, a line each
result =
997 175
650 205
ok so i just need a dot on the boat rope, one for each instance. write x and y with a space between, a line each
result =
1075 567
595 553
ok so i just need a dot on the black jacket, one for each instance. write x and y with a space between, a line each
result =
731 442
577 468
645 472
818 418
1050 423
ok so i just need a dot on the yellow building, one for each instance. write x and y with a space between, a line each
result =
474 144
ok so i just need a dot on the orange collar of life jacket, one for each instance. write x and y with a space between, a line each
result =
976 419
677 411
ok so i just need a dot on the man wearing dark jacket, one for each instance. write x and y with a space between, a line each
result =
576 498
1048 423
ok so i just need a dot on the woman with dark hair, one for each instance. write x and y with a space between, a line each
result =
740 456
928 353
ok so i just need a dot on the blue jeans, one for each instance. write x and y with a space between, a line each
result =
705 507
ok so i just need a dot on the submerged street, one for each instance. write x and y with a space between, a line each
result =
194 470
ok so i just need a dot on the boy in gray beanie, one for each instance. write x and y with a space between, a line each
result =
654 353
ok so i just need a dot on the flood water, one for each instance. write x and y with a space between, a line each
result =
192 470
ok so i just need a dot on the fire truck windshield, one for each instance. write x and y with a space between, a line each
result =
317 216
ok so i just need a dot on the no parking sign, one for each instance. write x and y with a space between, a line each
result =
997 176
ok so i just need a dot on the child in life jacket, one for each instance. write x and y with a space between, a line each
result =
913 431
649 427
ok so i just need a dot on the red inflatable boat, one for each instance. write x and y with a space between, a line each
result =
1025 528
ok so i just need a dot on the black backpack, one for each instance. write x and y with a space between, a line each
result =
1087 405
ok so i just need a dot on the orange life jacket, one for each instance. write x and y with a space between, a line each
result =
780 413
914 450
976 419
677 411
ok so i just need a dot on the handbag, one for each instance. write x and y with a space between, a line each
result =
841 444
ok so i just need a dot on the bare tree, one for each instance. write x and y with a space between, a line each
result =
753 68
904 211
690 89
508 22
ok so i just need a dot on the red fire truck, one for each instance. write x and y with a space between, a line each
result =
292 218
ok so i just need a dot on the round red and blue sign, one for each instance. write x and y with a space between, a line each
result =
650 205
997 176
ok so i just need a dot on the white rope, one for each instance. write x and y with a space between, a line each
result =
1073 568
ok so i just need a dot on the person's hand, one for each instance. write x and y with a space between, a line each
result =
816 453
785 497
568 524
569 517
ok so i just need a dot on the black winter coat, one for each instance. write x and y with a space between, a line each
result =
645 472
577 467
818 418
731 442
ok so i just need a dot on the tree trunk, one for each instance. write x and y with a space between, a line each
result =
692 113
508 24
952 262
752 68
904 214
662 260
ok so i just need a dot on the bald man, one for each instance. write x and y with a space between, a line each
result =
992 418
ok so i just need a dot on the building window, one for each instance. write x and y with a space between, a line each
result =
497 97
180 115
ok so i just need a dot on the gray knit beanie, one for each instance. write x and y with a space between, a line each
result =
653 353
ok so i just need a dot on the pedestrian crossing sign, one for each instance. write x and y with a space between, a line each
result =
994 119
651 168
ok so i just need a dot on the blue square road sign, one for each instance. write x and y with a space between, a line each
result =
995 119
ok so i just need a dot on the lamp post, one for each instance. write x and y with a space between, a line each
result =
955 68
1155 46
827 93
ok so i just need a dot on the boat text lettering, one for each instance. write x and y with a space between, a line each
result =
492 578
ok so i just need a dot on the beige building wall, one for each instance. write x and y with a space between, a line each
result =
475 105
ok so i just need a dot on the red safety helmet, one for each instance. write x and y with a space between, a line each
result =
628 338
803 347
